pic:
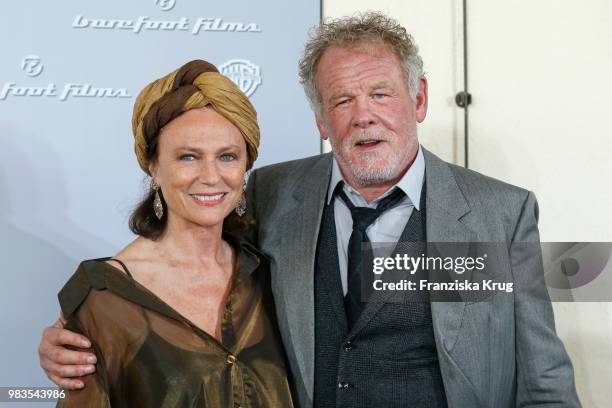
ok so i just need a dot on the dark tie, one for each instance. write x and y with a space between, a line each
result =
363 217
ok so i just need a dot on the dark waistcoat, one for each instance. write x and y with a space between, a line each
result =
389 357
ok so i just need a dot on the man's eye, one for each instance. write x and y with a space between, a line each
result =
379 96
342 102
228 157
187 157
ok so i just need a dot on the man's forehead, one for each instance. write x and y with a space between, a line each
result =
352 54
369 47
349 68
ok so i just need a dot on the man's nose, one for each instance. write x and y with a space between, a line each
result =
363 117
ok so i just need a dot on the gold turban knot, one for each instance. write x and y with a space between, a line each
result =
195 85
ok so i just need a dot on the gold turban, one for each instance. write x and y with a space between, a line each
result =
194 85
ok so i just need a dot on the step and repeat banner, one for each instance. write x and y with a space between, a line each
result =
69 75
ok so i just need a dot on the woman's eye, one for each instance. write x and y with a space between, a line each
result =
187 157
228 157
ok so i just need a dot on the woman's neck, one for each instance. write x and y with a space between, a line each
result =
183 241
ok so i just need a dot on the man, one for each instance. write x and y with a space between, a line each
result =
364 79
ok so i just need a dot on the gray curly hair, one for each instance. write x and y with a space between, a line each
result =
352 31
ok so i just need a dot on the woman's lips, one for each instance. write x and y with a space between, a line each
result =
208 200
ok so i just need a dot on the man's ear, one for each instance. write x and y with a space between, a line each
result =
322 128
421 100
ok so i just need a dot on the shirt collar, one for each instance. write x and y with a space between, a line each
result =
248 257
411 183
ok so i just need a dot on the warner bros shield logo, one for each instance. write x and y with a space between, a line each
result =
243 73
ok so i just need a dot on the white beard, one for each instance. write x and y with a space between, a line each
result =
373 172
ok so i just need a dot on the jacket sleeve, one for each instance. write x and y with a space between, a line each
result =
545 375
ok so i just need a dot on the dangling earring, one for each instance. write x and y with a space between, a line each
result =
242 203
158 207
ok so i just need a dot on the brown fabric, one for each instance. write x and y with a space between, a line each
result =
195 85
151 356
190 71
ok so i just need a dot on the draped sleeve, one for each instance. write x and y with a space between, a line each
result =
79 316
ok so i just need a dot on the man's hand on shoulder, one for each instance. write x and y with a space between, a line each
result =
61 364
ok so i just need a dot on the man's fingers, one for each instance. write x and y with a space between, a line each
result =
51 348
68 338
76 370
67 383
62 337
62 356
69 371
60 363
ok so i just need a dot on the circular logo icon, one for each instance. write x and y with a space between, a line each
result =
574 265
244 73
32 65
166 5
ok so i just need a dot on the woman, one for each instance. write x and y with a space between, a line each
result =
183 315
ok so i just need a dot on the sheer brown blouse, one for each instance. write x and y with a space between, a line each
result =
151 356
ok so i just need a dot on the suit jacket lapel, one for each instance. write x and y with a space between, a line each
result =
446 206
294 250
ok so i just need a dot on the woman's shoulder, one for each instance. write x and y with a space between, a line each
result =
103 286
96 274
91 274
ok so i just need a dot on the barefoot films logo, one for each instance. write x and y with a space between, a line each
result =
145 23
32 66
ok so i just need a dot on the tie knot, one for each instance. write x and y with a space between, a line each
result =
363 217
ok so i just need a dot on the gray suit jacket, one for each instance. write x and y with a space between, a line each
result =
500 353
